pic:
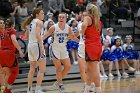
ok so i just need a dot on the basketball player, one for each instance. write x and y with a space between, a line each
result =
36 53
81 54
91 28
58 51
8 58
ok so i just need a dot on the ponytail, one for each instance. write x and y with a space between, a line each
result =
93 10
26 22
30 18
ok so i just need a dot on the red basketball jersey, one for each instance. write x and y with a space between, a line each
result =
93 46
6 42
92 36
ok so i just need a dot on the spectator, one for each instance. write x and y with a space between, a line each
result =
39 4
49 16
14 14
123 12
22 13
5 8
114 4
56 7
109 36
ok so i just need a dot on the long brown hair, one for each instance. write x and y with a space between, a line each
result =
93 11
31 17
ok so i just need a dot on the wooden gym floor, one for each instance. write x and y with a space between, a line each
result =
116 85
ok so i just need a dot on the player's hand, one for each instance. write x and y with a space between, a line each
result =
21 54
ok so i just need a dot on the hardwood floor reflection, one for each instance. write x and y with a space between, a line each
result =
116 85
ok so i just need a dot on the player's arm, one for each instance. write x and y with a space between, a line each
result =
85 24
49 32
39 27
72 36
15 43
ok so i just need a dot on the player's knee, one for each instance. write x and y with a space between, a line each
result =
58 69
32 69
68 66
42 70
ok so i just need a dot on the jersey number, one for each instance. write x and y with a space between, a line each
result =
30 27
61 39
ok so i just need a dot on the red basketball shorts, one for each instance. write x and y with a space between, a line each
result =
93 53
7 58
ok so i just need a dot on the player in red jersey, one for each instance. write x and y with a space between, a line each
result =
92 29
8 58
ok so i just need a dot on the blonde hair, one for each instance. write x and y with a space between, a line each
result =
93 10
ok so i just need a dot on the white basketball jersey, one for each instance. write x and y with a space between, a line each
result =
82 40
32 31
60 36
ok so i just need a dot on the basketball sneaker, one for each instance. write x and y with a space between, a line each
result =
85 90
110 75
131 69
125 74
61 88
105 76
56 85
39 91
92 88
118 73
29 91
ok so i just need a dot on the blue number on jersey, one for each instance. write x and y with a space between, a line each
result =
61 39
30 27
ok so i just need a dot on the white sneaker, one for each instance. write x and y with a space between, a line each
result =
110 75
118 73
29 91
131 69
56 85
101 76
137 73
61 89
75 63
85 90
125 74
105 76
92 88
39 91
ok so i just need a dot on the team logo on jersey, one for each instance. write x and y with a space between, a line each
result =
3 35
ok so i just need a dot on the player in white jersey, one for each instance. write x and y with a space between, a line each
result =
81 51
36 53
81 54
58 52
